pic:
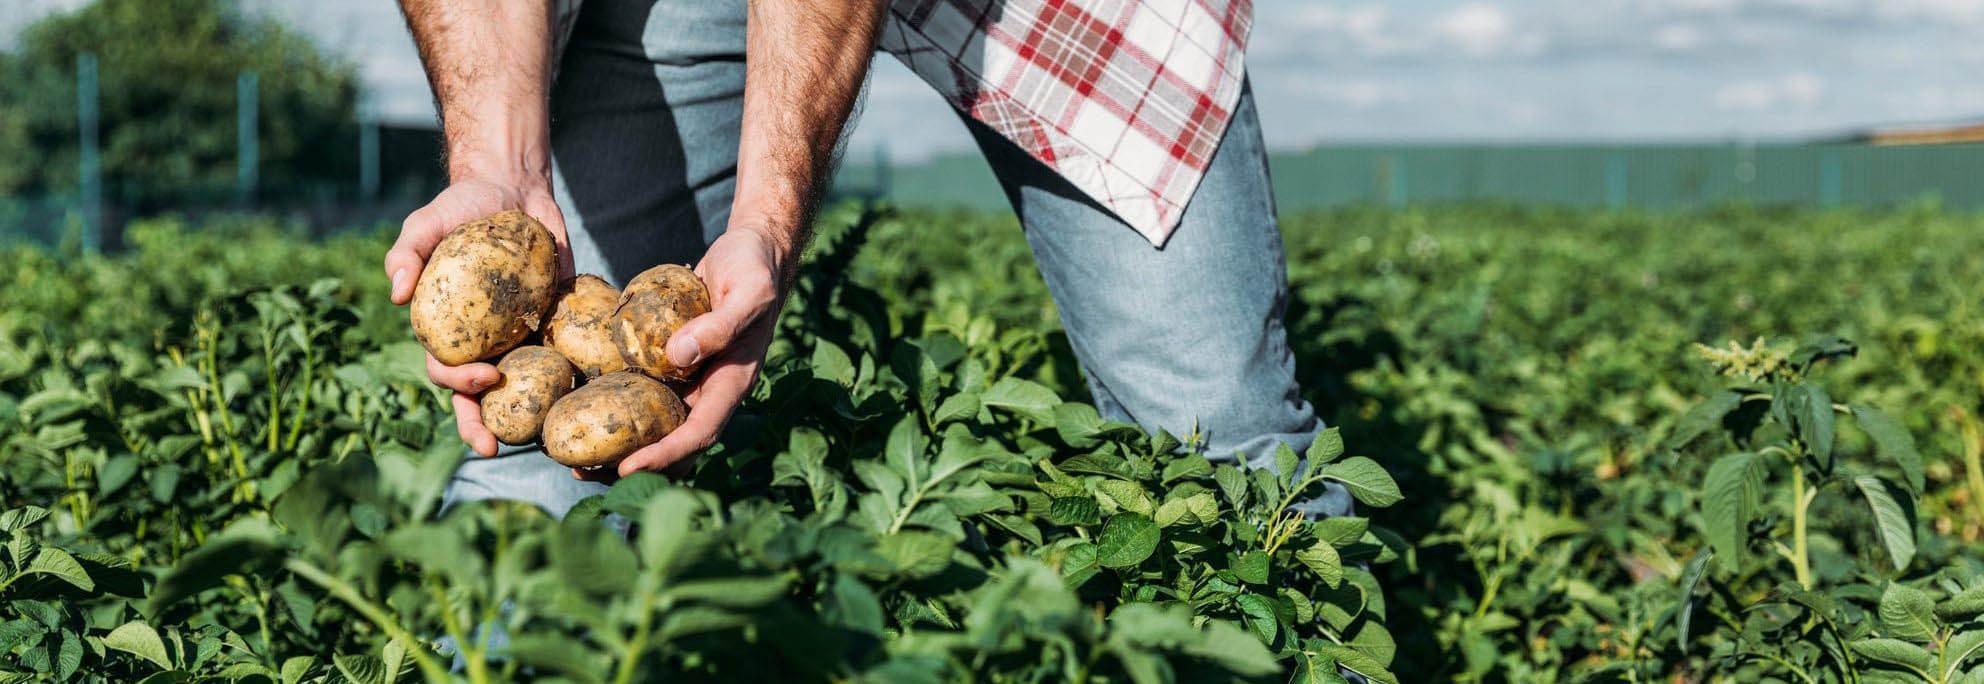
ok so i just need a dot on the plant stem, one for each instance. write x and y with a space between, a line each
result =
472 652
625 672
345 592
1801 561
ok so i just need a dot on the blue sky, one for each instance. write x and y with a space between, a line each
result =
1357 70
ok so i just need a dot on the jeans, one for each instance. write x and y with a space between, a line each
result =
646 116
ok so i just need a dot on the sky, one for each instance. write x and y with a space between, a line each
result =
1440 70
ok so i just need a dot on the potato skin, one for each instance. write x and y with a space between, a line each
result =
655 304
485 288
534 379
609 418
581 325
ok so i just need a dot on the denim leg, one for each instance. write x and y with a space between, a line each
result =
1189 335
644 125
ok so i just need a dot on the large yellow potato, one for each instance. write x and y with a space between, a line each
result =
655 304
534 379
485 288
610 417
581 325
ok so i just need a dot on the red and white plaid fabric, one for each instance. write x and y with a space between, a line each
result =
1127 99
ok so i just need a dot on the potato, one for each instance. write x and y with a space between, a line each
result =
581 327
655 304
485 288
609 418
534 379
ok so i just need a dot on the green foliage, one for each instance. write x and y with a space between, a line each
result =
167 72
221 459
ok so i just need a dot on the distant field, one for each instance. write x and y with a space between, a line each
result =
1527 377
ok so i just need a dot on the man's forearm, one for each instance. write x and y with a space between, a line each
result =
490 66
805 63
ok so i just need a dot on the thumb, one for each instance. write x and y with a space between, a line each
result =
418 236
711 333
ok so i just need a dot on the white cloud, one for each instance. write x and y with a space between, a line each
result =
1794 91
1477 28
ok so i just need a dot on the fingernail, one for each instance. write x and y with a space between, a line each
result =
483 383
398 276
684 353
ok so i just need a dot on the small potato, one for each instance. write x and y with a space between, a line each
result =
609 418
485 288
581 325
534 379
655 304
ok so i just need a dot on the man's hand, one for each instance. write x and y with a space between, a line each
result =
463 201
742 271
490 66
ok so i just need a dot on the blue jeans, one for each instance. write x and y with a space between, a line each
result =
645 123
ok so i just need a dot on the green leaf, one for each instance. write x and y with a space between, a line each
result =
361 669
1341 530
1323 559
244 549
730 592
1907 613
915 554
592 558
1183 467
1892 520
1074 511
905 449
1204 507
1359 662
553 652
1815 426
1690 577
1127 539
1024 397
1127 495
1252 567
1285 461
1703 416
832 364
1366 480
851 604
139 639
22 518
295 668
1080 564
958 406
1894 652
1233 483
58 563
1892 441
976 498
1730 494
1241 653
1963 606
1258 612
1328 447
666 529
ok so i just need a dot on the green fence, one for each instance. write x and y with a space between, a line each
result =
1652 176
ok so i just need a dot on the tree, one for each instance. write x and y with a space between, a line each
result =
167 86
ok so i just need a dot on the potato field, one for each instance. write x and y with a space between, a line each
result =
1729 445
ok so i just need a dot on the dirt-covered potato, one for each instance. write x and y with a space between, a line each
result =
485 288
610 417
581 325
534 379
655 304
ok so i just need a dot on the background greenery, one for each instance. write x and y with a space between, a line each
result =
1527 376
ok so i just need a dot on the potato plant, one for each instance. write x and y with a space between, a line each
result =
227 435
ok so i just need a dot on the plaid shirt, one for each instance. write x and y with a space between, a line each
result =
1127 99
